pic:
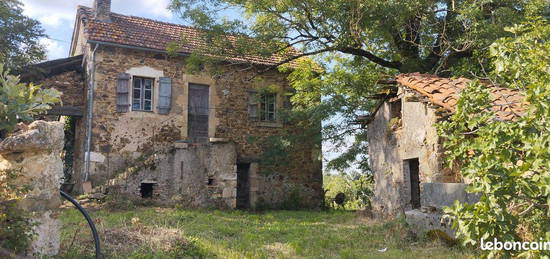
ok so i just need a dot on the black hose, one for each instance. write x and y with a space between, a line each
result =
90 222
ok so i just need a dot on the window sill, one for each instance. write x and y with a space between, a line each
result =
269 124
142 111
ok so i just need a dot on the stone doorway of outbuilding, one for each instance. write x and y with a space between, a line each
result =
412 170
243 185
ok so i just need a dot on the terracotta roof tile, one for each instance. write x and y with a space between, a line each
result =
151 34
507 103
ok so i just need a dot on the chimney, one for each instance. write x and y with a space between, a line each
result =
102 10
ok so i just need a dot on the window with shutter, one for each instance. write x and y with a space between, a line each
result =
165 95
287 104
122 91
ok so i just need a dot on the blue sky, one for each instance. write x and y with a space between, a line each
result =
57 18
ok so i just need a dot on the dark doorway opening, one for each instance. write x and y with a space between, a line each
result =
146 190
243 186
414 174
69 152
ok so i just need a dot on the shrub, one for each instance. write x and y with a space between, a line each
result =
16 229
508 162
19 102
355 186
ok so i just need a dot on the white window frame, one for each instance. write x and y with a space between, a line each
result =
264 108
142 90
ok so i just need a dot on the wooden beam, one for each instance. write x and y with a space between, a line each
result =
67 111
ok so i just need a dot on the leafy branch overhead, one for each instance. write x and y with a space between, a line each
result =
408 36
351 45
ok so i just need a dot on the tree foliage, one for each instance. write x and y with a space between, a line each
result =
507 162
354 44
356 186
19 102
19 36
409 36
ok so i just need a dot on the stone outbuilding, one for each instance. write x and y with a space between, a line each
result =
405 149
146 126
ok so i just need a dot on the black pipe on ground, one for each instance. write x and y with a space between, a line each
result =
90 222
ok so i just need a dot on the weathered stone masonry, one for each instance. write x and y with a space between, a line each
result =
120 140
35 153
149 153
406 154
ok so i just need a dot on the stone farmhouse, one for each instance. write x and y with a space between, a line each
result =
405 150
144 126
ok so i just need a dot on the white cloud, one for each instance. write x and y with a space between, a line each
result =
57 12
53 12
54 50
57 17
146 8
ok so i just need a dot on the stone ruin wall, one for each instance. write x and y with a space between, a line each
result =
36 152
388 148
119 139
193 176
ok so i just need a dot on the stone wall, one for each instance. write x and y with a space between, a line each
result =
434 197
71 84
391 143
35 152
193 176
119 139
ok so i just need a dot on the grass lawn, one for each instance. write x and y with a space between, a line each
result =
153 232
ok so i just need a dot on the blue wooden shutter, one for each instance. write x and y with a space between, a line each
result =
165 95
122 90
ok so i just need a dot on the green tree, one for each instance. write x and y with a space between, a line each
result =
19 36
508 162
19 102
356 186
354 44
409 36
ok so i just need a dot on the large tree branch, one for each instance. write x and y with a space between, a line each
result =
371 57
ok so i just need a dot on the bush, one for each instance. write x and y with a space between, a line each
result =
15 226
19 102
508 162
356 187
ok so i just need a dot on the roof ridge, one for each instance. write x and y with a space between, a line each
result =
444 92
143 18
153 34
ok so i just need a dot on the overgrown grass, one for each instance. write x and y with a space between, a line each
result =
177 233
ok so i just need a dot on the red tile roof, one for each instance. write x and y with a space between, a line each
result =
507 103
156 35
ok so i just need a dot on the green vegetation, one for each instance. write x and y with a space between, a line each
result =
15 226
357 188
507 161
351 46
19 102
178 233
19 37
